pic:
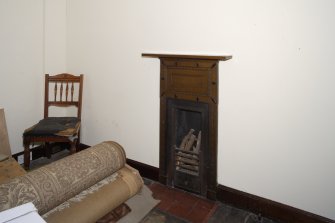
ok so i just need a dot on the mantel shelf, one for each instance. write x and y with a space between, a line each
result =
199 57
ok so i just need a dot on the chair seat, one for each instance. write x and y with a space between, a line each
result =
54 126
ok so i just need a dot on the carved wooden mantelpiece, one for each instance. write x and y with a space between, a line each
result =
192 79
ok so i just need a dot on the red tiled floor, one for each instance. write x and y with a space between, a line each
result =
164 194
202 211
185 197
183 204
198 215
203 203
180 210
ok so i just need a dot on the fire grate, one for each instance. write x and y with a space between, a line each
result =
187 155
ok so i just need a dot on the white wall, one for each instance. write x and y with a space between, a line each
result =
33 42
55 36
21 64
55 45
276 118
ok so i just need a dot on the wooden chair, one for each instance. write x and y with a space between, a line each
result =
62 90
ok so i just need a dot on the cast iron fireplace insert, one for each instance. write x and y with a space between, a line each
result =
187 138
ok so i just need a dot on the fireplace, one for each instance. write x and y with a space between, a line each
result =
188 122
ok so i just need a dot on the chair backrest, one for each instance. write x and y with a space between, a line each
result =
64 92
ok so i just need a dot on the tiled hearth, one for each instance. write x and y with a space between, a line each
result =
178 206
183 204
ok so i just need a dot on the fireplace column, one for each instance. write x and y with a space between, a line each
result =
188 122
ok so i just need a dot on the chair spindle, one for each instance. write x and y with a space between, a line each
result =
72 90
67 90
61 91
55 91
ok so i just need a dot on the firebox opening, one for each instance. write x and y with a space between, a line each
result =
188 142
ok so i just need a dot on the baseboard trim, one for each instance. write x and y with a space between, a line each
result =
15 156
246 201
83 146
266 207
145 170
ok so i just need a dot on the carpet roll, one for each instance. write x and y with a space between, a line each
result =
53 184
95 202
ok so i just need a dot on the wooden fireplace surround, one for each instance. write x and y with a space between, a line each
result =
192 78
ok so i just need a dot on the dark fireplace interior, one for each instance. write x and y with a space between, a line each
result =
187 138
188 122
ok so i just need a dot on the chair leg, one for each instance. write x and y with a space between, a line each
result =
47 150
77 145
26 153
73 146
78 142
